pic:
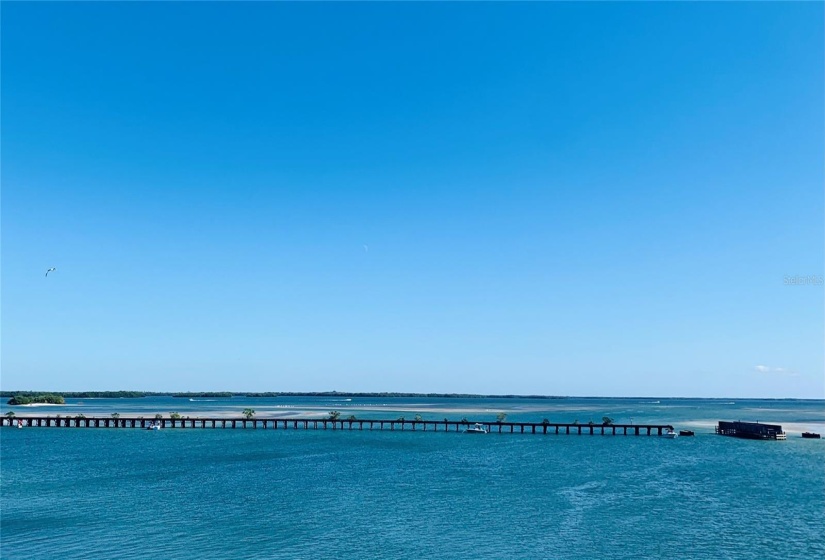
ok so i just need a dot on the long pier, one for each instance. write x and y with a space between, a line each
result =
334 424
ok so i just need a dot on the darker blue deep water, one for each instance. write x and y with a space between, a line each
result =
97 493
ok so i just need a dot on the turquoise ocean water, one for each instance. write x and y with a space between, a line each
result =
98 493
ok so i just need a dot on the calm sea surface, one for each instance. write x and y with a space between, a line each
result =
98 493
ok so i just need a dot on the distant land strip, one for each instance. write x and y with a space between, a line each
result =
36 399
228 394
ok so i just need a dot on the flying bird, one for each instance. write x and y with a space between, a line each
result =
52 269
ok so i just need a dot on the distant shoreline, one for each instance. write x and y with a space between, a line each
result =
339 394
273 394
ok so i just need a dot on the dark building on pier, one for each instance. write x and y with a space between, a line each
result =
750 430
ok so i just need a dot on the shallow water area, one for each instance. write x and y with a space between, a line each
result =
89 493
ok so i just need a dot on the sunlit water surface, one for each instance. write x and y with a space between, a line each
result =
98 493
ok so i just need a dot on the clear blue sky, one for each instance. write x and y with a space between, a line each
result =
568 199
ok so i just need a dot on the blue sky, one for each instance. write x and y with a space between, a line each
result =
566 199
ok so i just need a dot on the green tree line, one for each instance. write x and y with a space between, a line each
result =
31 399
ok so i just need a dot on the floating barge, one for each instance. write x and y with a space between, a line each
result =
750 430
336 424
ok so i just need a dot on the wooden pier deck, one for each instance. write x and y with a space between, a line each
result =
338 424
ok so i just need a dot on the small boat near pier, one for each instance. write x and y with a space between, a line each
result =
475 429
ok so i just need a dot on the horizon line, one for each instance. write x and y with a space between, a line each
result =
371 394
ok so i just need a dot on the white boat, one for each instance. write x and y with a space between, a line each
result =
670 434
153 426
475 429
